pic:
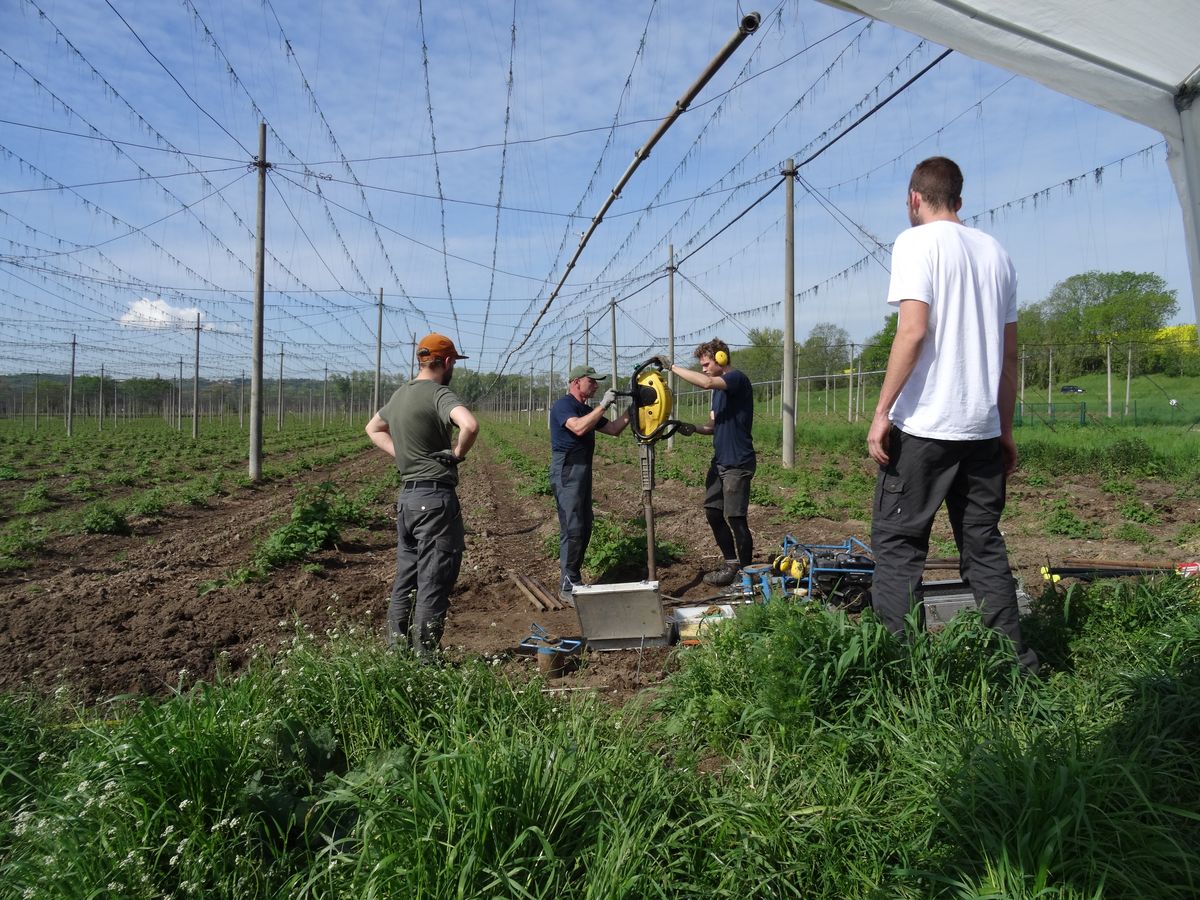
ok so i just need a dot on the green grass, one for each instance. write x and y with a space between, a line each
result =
796 753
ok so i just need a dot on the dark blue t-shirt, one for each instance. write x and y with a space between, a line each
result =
562 439
733 419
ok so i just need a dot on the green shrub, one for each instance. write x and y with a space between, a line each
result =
317 515
801 506
18 540
1189 532
1117 486
8 473
1135 534
763 494
149 503
104 518
35 500
1135 511
617 548
82 487
1060 520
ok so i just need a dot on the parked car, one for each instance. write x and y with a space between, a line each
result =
1070 389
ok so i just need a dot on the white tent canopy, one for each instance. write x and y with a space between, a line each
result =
1137 58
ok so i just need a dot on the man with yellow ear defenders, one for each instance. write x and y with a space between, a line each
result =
727 485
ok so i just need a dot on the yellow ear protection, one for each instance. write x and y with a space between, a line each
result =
721 358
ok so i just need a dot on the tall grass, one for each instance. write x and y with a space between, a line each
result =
797 753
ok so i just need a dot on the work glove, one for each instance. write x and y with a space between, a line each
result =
664 361
446 457
685 428
609 398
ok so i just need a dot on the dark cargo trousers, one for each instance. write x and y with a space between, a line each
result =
571 481
968 476
429 549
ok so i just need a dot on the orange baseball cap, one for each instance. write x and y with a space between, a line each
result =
438 345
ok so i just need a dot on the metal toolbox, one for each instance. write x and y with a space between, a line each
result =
624 616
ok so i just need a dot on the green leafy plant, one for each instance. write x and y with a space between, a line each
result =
35 500
1135 511
317 516
763 494
1060 520
18 541
1135 534
149 503
82 487
1117 486
801 506
103 518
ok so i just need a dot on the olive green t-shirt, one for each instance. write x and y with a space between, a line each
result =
418 419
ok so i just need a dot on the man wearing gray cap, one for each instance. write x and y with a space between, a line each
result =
572 443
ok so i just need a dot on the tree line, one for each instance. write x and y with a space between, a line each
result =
1073 329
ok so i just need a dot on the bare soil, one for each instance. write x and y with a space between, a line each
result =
111 615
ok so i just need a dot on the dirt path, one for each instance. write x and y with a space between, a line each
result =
113 615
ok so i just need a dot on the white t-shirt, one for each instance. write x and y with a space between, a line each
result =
970 285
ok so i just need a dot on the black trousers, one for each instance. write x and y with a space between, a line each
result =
968 476
571 481
429 548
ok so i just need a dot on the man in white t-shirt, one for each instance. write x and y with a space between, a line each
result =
942 431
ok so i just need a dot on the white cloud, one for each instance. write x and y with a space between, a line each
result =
156 314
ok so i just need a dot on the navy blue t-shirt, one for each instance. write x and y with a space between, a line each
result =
733 419
562 439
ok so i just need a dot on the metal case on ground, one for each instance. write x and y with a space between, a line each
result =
944 599
624 616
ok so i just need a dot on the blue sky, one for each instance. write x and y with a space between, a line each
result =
127 201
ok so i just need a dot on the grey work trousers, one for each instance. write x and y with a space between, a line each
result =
429 549
571 481
968 476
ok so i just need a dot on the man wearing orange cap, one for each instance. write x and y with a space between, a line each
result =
416 428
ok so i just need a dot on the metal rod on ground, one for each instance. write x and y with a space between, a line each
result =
537 604
1075 561
547 596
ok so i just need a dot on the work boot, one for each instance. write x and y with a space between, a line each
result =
722 577
566 593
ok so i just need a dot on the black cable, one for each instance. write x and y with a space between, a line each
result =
108 140
727 225
830 207
137 230
876 108
119 180
437 169
176 80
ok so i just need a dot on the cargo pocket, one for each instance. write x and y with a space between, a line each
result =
890 502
